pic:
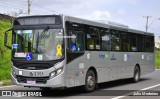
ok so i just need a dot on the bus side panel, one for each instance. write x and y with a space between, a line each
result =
116 63
79 67
76 71
132 58
147 63
100 61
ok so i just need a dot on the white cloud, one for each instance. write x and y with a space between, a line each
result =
101 15
96 15
121 12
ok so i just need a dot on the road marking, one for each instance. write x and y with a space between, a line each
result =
7 86
140 89
151 87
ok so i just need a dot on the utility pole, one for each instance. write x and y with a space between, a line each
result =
147 17
29 5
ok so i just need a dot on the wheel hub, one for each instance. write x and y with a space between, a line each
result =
90 81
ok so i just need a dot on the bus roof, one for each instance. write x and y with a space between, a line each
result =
108 24
111 25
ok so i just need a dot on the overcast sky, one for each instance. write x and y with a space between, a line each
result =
128 12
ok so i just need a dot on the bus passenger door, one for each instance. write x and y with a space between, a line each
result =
75 58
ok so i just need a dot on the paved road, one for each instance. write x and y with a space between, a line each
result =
120 89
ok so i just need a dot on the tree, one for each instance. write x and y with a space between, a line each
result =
14 15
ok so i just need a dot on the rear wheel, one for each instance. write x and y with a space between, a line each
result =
136 76
90 81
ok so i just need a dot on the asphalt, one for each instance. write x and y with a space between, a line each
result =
119 89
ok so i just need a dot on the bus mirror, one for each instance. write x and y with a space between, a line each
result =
6 39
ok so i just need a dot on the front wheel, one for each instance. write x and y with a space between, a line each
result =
136 76
90 81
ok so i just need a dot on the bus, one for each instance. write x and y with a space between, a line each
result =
59 51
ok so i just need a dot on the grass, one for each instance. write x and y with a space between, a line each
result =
6 82
4 53
157 60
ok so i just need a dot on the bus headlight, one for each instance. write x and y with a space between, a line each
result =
56 72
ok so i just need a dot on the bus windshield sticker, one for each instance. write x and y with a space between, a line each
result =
59 50
29 56
14 46
20 54
40 57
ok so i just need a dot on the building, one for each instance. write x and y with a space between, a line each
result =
157 43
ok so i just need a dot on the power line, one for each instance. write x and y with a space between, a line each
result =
29 6
13 7
45 8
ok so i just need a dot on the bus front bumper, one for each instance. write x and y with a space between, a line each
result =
55 82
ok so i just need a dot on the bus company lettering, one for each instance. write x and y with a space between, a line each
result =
103 56
113 57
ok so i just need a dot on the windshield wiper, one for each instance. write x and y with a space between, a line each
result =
44 31
42 35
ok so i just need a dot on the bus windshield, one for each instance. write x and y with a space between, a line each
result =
39 44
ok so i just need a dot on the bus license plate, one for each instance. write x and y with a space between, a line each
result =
31 82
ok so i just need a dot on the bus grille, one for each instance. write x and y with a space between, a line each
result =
39 80
34 66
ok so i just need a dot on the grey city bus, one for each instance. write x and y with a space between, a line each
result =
58 51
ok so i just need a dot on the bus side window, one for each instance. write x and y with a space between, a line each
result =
105 39
115 41
140 40
93 40
125 43
76 41
148 44
133 42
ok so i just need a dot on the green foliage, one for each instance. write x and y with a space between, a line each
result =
4 52
6 82
157 59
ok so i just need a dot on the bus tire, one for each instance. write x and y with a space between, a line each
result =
136 76
90 81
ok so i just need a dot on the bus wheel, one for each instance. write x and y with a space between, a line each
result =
90 81
136 76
